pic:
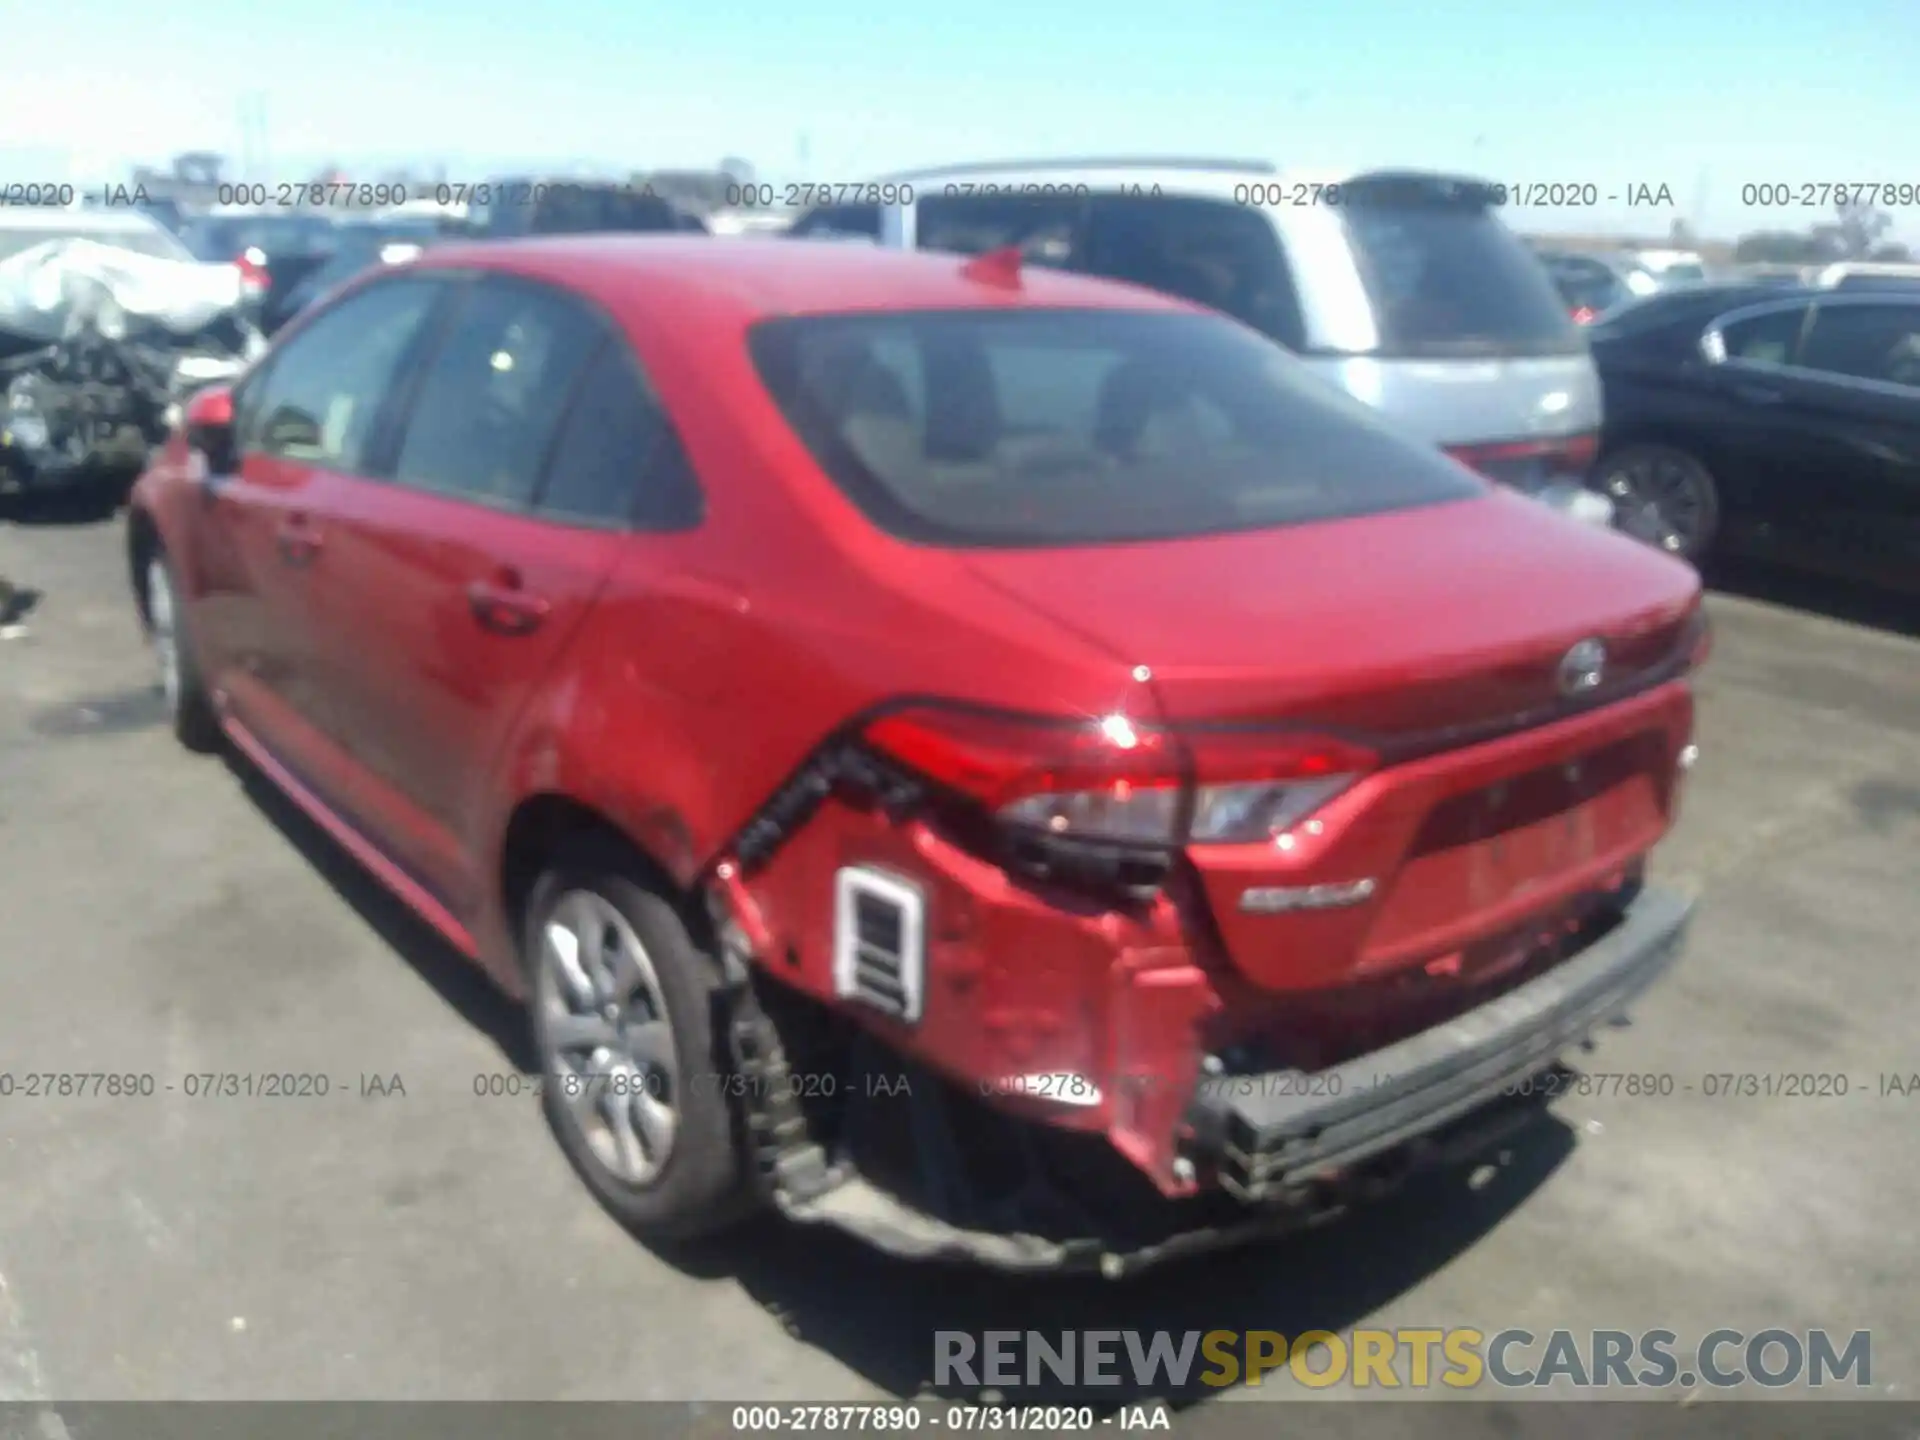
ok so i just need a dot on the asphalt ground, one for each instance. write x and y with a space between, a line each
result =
166 914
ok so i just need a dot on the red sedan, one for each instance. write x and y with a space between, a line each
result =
1003 762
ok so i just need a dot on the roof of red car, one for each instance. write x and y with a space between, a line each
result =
744 280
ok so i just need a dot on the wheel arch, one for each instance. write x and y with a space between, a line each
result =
546 823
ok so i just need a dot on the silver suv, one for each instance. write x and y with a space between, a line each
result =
1403 288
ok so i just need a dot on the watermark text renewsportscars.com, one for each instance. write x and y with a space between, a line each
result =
1459 1358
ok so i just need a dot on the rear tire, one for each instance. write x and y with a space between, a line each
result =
1662 495
189 707
623 1003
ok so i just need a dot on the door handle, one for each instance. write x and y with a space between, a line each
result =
505 608
297 541
1758 394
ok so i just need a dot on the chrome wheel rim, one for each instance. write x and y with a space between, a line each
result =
608 1044
1660 500
163 623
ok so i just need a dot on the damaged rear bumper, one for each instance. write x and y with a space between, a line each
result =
1290 1151
1272 1133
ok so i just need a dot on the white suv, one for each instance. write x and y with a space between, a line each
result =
1402 287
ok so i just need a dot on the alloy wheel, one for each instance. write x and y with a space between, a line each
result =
1661 500
608 1043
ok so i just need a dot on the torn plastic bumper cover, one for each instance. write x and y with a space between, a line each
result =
1292 1155
97 346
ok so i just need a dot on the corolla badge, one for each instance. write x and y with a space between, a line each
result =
1281 899
1583 668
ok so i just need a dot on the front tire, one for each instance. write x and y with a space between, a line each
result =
189 708
623 1003
1663 496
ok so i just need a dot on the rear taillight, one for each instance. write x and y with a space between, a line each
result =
1116 780
1532 460
1253 785
253 271
1584 315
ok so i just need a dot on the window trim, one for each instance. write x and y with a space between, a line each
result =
1714 336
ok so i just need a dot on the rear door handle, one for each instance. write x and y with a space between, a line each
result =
1758 394
505 608
297 540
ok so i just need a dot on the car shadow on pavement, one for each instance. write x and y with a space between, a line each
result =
878 1316
455 978
1817 594
62 507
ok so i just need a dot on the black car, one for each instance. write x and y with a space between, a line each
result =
1785 423
229 237
356 246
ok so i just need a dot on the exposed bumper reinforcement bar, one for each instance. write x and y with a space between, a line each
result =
1269 1134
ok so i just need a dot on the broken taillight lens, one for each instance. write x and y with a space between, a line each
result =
1114 779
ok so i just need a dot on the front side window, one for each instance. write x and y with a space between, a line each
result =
319 400
494 392
1081 427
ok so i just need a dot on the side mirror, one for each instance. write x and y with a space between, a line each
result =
209 427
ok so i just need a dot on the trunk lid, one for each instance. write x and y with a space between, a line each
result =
1404 625
1436 637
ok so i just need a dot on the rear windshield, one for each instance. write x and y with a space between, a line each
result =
1447 278
1073 427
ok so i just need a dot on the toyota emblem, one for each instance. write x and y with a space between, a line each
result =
1583 668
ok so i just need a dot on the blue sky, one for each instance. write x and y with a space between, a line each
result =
1704 96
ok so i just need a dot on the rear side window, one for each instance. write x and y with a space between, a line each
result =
494 393
1080 427
1446 278
1226 257
1767 339
617 460
1866 342
323 392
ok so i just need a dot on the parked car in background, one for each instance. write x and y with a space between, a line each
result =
1589 285
1868 275
1783 277
1780 423
1402 288
1669 267
107 322
357 246
163 210
1219 803
258 241
514 207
